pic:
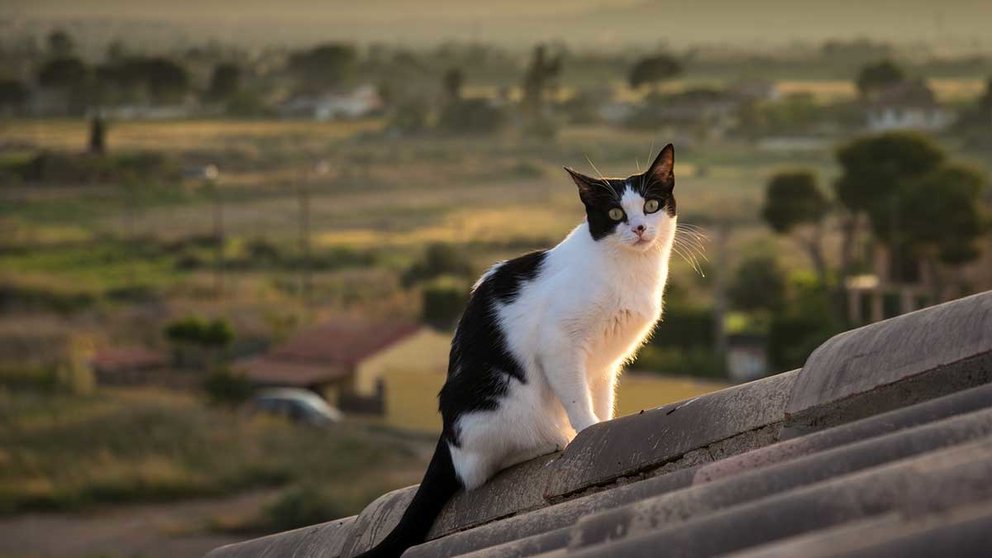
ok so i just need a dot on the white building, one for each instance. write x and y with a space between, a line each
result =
909 105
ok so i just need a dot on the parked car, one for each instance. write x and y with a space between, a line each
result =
298 405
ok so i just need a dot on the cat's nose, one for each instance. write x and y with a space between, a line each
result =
639 229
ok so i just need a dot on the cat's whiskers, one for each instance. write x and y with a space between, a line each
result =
693 263
690 244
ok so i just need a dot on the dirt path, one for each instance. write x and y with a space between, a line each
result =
140 531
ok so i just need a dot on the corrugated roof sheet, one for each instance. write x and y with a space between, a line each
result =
881 445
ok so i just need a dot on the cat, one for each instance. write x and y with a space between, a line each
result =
538 350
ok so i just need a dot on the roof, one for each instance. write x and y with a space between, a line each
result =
118 359
326 352
905 94
880 445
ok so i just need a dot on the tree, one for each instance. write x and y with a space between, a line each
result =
13 95
452 84
876 76
471 116
439 260
793 202
98 136
166 80
876 167
323 67
224 82
60 43
947 218
759 284
444 300
654 70
542 72
63 73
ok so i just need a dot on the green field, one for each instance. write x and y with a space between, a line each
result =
383 199
71 453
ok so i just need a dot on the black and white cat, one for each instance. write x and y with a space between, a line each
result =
538 350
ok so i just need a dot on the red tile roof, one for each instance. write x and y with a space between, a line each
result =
326 352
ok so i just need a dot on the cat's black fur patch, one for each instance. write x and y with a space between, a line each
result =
480 366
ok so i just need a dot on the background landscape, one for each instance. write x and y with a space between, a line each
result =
198 205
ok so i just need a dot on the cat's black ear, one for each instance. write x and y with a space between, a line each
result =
662 170
587 186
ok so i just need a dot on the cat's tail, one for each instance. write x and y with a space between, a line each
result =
439 485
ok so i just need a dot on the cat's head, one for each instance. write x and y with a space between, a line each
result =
636 212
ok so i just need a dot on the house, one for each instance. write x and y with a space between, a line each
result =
339 359
356 103
756 90
880 445
908 105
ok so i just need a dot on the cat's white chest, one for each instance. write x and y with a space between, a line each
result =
625 318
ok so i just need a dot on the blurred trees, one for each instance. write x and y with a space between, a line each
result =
438 260
197 342
654 70
466 116
877 76
471 116
758 284
806 320
916 202
225 81
13 95
443 301
452 84
322 67
540 79
794 204
875 168
60 43
64 73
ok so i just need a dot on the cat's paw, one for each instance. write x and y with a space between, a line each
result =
582 424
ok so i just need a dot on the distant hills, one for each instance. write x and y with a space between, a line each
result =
954 24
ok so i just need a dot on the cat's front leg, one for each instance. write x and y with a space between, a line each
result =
566 375
604 394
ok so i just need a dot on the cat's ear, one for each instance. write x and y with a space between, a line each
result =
662 170
587 186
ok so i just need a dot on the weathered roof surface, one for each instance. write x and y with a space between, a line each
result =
881 445
326 352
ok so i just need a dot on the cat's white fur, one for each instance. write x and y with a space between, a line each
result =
572 328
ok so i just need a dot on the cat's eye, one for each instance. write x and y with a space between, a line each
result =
651 206
616 214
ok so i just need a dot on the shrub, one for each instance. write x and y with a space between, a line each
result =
443 302
690 328
224 387
62 167
697 362
471 116
303 506
438 260
197 331
759 283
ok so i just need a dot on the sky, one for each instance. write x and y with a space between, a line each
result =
962 24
